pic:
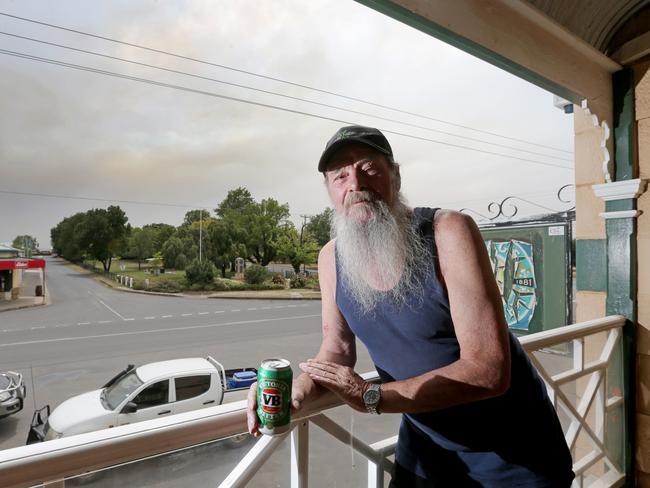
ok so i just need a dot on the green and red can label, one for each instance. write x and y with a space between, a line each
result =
274 378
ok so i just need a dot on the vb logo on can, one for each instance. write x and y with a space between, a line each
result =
271 400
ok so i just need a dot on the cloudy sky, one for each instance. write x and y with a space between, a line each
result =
173 142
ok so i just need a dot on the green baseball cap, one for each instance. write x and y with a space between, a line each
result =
354 133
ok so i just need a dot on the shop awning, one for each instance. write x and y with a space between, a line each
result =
21 263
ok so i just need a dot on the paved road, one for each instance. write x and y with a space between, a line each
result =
90 332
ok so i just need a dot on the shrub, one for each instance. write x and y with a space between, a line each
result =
298 281
181 261
169 286
277 279
312 282
200 272
255 274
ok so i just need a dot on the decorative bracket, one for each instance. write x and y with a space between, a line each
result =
604 127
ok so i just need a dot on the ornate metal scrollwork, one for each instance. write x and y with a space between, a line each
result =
559 196
499 209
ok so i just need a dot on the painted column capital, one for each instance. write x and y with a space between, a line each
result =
620 190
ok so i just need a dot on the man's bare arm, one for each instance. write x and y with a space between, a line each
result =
483 369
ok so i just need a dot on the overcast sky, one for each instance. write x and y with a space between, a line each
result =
79 134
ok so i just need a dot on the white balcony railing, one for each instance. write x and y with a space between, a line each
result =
586 410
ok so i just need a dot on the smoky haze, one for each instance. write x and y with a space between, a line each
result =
78 134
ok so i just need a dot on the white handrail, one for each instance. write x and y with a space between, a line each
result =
553 337
49 461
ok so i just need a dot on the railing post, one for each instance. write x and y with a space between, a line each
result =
300 455
375 474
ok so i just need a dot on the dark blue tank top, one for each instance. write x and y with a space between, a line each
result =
514 439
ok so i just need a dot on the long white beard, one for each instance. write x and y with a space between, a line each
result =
382 257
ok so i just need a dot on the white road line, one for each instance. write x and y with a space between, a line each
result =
40 327
104 322
129 319
149 318
185 314
166 316
219 311
204 313
265 308
100 301
235 310
254 308
83 323
155 331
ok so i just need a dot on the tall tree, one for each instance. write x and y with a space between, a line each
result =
65 238
263 223
296 251
195 216
102 234
319 226
171 250
160 234
27 243
141 244
237 200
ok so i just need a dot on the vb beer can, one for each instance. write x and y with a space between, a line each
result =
274 378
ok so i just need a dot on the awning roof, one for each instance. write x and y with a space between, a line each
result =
19 263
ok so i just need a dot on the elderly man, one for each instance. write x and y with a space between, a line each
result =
416 287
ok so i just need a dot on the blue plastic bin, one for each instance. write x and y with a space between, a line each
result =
243 379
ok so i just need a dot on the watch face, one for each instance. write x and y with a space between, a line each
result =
371 396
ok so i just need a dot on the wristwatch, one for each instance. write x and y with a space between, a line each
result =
371 398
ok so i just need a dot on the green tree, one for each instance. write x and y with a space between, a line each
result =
195 216
220 245
102 234
65 238
141 244
319 226
160 233
232 225
263 223
296 251
237 200
156 261
27 243
171 251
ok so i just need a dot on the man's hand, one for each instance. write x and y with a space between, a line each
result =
342 380
303 389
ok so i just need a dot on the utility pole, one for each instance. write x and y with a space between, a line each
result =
302 227
200 234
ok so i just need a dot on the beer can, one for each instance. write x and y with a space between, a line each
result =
274 379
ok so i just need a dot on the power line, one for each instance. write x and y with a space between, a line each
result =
260 104
279 80
108 200
199 207
269 92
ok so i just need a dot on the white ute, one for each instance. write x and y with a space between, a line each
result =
146 392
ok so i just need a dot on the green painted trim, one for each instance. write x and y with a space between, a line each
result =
624 124
423 24
617 205
623 259
591 265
